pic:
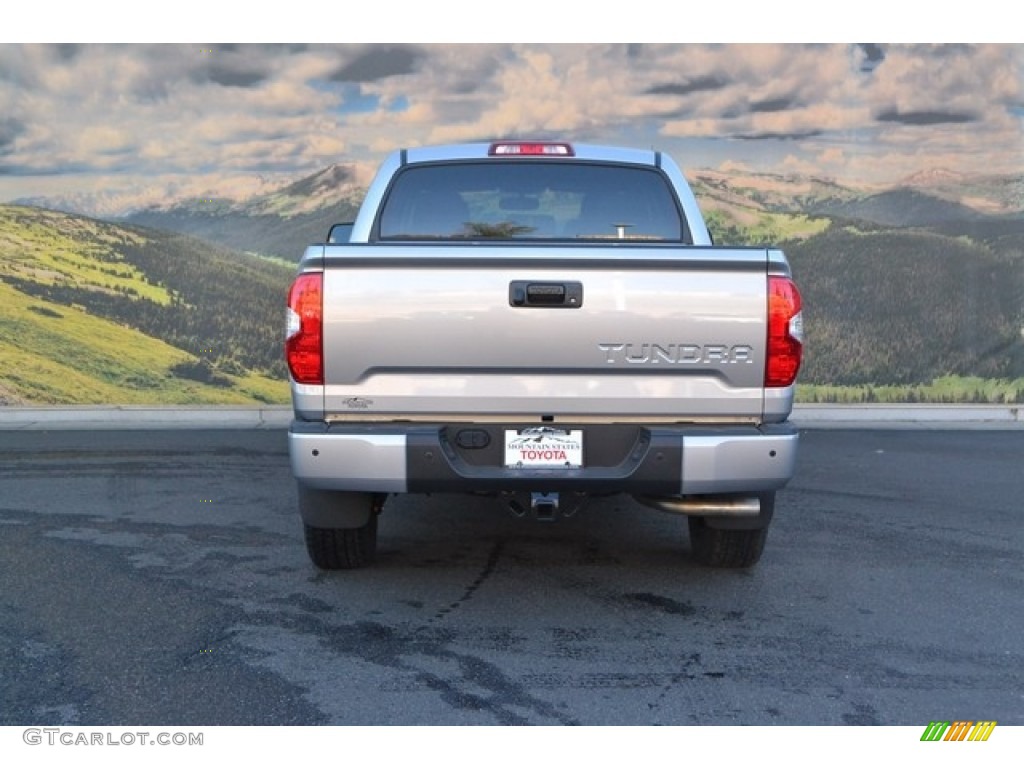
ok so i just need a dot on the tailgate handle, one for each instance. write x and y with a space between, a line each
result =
529 293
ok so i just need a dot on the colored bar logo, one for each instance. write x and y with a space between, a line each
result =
959 730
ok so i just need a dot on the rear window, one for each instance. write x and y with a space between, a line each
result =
523 200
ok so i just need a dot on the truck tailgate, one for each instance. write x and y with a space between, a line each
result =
423 331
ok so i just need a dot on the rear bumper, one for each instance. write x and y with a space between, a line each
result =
655 460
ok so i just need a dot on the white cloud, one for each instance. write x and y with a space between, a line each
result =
135 113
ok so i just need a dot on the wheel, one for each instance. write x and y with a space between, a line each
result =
727 547
342 548
340 527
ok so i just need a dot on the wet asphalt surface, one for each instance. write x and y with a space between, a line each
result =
161 578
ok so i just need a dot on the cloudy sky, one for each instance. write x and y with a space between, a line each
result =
140 123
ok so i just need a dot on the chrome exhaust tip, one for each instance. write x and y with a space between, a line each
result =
705 506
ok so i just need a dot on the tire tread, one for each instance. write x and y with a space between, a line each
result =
726 549
333 549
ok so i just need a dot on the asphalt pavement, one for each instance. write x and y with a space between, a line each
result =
160 577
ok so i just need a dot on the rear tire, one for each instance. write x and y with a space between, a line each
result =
335 549
727 547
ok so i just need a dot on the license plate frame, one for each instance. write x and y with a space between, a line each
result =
543 448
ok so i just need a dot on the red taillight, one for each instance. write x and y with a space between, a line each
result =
513 148
304 337
785 333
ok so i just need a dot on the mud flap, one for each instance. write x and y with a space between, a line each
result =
336 509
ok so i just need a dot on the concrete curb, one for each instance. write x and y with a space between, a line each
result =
144 417
909 416
809 416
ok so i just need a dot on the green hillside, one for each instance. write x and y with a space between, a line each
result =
740 217
899 307
907 298
267 234
92 312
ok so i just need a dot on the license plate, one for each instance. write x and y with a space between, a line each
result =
544 447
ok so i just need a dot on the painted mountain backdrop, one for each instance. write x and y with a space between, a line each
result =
95 312
913 291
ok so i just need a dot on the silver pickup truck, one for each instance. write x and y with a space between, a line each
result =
541 322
